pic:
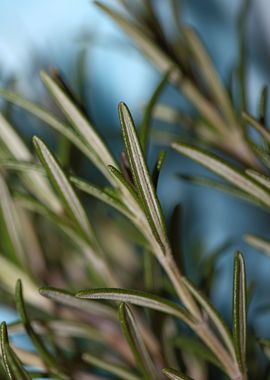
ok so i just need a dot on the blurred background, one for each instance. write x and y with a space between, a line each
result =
102 67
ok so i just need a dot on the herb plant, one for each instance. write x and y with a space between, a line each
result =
124 308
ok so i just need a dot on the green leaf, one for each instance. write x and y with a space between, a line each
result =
138 298
9 274
171 115
136 343
126 188
220 186
105 196
196 348
21 166
242 65
265 346
157 168
141 175
232 175
144 130
258 243
174 375
63 188
48 118
210 75
44 353
114 369
208 268
12 364
263 105
140 36
256 125
262 154
11 220
35 182
214 316
239 310
261 178
176 238
69 299
165 63
99 152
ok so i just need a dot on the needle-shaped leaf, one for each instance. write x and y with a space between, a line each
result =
258 243
144 130
224 170
126 188
11 222
36 182
43 351
261 178
210 75
262 154
257 125
12 365
265 346
240 310
63 187
141 175
175 375
104 195
48 118
220 186
21 166
136 343
195 348
138 298
9 274
263 105
100 154
242 64
213 315
165 63
112 368
157 168
69 299
175 236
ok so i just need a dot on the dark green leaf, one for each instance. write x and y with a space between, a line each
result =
136 343
224 170
69 299
44 353
114 369
102 194
258 243
174 375
139 298
262 105
141 175
157 168
96 147
12 364
239 310
214 316
144 130
196 348
63 188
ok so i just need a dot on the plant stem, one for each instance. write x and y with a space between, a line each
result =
200 327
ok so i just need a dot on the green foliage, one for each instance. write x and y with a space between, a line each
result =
53 241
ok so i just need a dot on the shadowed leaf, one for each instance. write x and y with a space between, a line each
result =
239 309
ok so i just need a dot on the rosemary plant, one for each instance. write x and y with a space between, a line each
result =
93 317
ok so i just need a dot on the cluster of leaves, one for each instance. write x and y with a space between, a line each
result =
49 239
